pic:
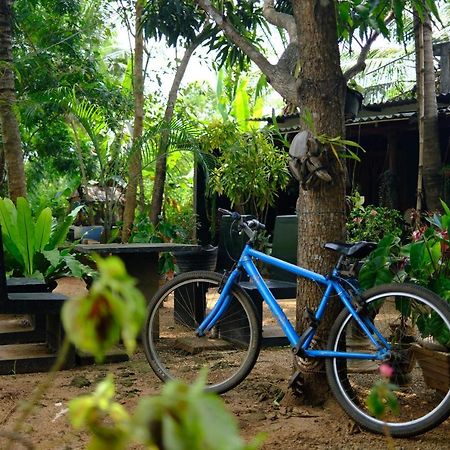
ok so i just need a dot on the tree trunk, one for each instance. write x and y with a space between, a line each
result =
321 212
161 159
430 155
10 128
135 161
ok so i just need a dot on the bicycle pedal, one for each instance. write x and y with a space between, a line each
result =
296 383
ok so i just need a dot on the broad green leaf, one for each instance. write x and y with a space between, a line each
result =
43 229
8 218
112 309
59 235
241 109
417 255
52 256
373 274
26 229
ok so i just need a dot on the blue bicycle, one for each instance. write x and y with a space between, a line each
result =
206 319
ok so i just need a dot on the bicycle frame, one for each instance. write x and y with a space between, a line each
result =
332 285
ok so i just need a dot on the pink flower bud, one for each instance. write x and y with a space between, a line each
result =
386 370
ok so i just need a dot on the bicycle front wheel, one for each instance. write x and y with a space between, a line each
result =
229 351
410 318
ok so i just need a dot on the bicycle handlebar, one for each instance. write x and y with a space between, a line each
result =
250 226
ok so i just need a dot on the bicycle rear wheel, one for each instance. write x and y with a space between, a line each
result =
229 351
401 313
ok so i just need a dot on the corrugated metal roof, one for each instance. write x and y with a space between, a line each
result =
400 116
367 111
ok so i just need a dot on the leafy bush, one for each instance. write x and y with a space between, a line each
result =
250 170
371 223
32 245
425 260
180 231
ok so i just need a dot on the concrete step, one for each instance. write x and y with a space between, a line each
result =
21 329
25 358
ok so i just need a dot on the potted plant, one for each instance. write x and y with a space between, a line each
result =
33 246
249 169
424 261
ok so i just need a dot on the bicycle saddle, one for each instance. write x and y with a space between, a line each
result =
355 250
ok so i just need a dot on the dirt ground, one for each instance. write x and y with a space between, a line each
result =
254 404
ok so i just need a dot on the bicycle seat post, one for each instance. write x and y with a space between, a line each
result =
338 264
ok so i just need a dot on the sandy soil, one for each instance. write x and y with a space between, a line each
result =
254 403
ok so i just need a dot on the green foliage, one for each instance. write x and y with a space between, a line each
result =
172 20
250 170
113 309
107 420
424 261
382 399
49 65
32 245
180 418
238 99
371 223
340 148
180 228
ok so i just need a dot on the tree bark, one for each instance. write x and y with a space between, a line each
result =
161 159
429 172
12 143
135 161
321 212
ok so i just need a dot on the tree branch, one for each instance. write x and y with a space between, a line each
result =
360 64
281 20
280 79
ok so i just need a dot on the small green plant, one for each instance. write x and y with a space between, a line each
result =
165 231
113 309
382 399
371 223
341 148
33 245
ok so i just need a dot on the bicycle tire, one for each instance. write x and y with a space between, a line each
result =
421 407
173 350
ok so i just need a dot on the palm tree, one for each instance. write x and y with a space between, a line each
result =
12 144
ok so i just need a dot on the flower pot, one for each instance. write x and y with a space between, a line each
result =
204 258
353 102
435 365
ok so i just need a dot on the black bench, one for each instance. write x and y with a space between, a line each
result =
24 284
283 285
18 350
